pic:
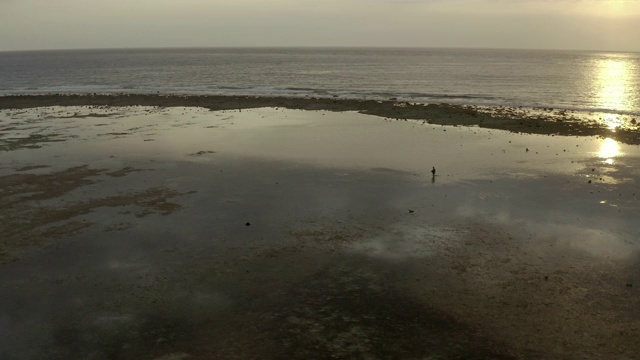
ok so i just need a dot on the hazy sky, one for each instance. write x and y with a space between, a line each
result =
546 24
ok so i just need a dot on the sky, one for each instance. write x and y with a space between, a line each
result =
609 25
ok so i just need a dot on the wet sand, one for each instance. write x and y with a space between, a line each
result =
184 233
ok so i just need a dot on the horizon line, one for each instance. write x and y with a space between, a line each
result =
335 47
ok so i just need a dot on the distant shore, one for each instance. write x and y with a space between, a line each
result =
545 121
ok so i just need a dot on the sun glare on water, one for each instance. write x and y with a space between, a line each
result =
612 78
609 150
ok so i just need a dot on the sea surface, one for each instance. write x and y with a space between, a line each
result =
602 82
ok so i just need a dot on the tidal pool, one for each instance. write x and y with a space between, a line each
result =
184 233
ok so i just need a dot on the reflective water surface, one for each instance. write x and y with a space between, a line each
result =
614 84
188 234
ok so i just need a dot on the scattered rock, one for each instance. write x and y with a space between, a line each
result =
203 152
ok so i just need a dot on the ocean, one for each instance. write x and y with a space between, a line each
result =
602 82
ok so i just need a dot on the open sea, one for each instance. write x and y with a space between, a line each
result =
606 82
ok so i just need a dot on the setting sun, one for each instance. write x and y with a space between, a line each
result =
618 7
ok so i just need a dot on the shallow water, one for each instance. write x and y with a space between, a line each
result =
321 138
311 234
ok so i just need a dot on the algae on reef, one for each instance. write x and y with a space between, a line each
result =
33 141
28 222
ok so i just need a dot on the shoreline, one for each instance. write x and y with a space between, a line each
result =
519 120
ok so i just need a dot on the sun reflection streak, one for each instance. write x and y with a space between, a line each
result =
609 149
613 93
